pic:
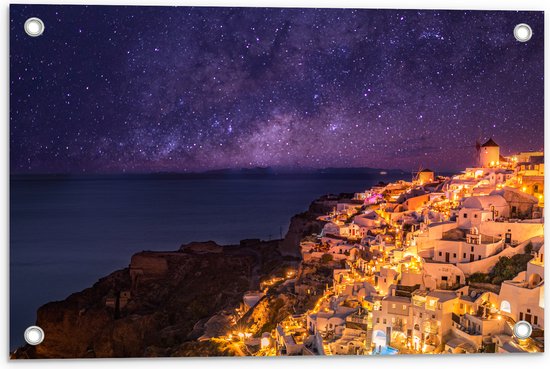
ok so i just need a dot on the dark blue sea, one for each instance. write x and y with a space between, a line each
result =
68 231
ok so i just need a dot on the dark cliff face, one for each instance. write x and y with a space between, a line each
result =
151 308
305 224
160 304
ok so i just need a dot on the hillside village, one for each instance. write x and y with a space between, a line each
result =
438 265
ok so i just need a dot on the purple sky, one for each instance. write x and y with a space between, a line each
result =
146 89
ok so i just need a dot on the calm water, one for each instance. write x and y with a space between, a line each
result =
68 232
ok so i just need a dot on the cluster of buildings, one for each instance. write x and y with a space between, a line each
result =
415 265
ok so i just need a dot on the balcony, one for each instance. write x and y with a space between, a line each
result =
468 331
398 326
357 319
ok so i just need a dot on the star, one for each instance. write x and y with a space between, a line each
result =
194 89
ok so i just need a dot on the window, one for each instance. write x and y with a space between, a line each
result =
461 306
475 215
479 257
420 315
465 215
454 255
377 320
472 249
404 307
433 316
393 320
440 253
464 255
528 311
393 306
521 316
384 321
536 320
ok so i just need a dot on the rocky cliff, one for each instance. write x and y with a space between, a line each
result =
164 301
305 224
154 307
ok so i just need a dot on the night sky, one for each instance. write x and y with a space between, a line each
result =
147 89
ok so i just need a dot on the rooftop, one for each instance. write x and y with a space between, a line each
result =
397 299
443 296
490 143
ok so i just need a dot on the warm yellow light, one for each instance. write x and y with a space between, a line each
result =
264 342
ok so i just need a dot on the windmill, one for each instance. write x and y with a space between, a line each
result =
415 174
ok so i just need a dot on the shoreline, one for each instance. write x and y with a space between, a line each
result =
287 249
93 232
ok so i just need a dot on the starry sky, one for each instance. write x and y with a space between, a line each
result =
149 89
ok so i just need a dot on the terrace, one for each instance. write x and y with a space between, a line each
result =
459 235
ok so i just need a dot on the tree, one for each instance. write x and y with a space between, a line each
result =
479 278
507 268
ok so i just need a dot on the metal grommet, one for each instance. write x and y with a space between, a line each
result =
523 32
34 335
34 27
523 329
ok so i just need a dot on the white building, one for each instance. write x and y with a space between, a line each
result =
478 209
432 318
523 297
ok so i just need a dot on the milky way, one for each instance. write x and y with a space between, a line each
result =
146 89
